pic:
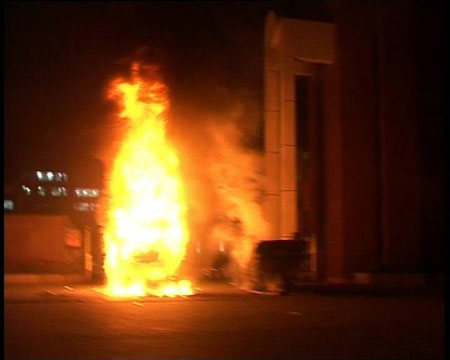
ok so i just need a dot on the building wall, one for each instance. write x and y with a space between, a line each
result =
399 138
429 59
333 231
285 59
355 49
293 48
380 139
373 177
42 244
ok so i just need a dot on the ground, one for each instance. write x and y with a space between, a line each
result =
43 322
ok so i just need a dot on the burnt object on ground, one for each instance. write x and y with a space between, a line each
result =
279 260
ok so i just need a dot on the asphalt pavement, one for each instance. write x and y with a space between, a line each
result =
220 322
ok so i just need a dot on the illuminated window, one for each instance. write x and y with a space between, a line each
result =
81 206
51 176
41 190
26 189
60 176
87 193
56 191
85 206
59 191
8 204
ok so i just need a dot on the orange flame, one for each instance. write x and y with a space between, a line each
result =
146 233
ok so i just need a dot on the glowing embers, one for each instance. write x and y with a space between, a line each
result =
146 233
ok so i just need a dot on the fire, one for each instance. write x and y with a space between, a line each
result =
146 233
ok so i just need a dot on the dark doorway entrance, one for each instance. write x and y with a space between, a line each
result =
309 118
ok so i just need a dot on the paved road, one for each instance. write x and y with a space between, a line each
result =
81 324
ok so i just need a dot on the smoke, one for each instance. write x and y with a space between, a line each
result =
223 175
237 178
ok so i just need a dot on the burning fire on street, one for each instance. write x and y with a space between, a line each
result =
146 232
167 217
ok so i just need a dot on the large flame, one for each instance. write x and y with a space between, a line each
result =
146 233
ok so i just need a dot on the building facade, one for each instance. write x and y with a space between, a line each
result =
345 146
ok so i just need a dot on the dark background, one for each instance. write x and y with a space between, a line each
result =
59 58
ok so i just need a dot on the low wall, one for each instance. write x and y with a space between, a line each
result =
42 244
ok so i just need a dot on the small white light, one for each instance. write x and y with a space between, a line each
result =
39 174
56 191
82 206
50 175
8 204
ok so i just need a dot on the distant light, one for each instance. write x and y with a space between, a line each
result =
26 189
39 175
87 193
50 175
81 206
8 205
41 191
85 206
56 191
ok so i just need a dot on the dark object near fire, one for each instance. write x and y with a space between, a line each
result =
219 267
281 260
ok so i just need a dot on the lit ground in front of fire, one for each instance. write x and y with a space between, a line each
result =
220 322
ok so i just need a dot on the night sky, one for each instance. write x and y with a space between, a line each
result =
59 58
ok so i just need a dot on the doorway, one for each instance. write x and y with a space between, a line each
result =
310 180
